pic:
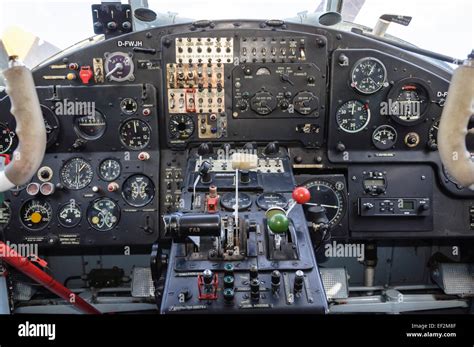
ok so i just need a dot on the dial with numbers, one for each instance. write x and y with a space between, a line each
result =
76 174
353 116
69 215
135 134
110 170
368 75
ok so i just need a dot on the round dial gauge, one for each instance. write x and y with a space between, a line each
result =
5 213
353 116
90 127
36 214
110 170
103 214
76 174
119 67
269 200
263 103
384 137
228 201
409 100
52 126
135 134
69 215
330 196
138 190
305 102
181 126
8 140
128 106
368 75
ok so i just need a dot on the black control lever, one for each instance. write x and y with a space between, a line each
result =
179 226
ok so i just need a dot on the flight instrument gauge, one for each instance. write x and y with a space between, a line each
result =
330 196
368 75
36 214
128 106
51 124
270 199
90 127
7 139
353 116
70 214
181 126
135 134
103 214
138 190
384 137
119 67
409 100
76 174
110 170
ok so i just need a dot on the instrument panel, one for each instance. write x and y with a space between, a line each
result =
357 118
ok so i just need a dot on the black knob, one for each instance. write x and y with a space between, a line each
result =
228 269
228 281
205 148
204 171
276 279
229 295
424 206
249 146
432 145
299 279
245 176
316 215
341 147
272 148
207 276
253 272
255 289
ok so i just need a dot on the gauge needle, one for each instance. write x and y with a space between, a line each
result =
135 127
353 109
372 70
322 205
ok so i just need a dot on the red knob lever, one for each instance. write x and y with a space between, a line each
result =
301 195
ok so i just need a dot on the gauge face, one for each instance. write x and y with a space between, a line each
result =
90 127
353 116
181 126
36 214
228 201
5 213
69 215
103 214
263 103
128 106
330 196
119 67
7 139
368 75
76 174
135 134
110 170
138 190
384 137
409 100
52 126
269 200
305 103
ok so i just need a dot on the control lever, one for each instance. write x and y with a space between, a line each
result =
241 161
301 196
203 173
179 225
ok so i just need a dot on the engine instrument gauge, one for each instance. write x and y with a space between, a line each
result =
36 214
409 100
69 215
5 213
353 116
384 137
8 140
181 126
263 103
138 190
128 106
269 200
119 67
90 127
135 134
368 75
51 124
103 214
330 196
110 170
76 174
228 201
